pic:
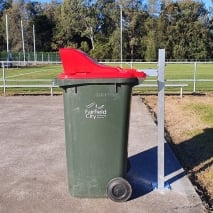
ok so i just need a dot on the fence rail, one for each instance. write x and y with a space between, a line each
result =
181 86
33 83
9 64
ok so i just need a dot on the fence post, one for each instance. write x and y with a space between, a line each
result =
3 78
195 77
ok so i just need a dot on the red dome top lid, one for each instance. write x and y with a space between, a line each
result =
78 65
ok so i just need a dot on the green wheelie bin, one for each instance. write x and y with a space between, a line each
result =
96 113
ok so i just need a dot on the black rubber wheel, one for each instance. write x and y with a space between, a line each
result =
119 189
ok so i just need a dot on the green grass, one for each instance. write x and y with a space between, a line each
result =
173 72
183 74
31 75
205 111
34 72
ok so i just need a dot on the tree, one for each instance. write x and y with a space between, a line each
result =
135 20
44 32
151 40
108 17
4 5
168 19
44 21
183 28
14 25
75 24
153 7
186 31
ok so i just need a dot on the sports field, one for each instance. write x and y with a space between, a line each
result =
198 76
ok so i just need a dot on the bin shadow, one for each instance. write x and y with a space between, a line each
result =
142 174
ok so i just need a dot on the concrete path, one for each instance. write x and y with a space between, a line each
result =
33 164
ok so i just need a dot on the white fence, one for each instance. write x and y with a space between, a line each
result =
6 83
194 79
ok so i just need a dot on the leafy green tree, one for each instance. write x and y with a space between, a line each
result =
106 29
75 24
4 5
14 25
210 37
135 20
44 21
108 16
185 29
151 40
44 32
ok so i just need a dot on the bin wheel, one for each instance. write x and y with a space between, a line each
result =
119 189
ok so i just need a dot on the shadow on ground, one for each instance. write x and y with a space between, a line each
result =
196 155
143 170
197 150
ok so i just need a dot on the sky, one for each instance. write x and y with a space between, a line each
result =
208 3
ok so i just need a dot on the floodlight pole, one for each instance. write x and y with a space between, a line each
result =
34 46
121 37
7 35
22 36
7 38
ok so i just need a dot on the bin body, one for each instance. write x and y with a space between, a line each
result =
96 114
96 131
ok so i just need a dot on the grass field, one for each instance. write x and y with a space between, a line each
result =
184 74
175 74
33 75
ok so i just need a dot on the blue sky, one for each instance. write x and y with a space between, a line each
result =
208 3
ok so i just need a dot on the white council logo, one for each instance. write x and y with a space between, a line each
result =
93 111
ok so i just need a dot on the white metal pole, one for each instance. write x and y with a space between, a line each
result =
161 109
121 37
195 71
22 35
7 35
3 78
34 45
7 38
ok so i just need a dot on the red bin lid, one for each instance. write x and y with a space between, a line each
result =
78 65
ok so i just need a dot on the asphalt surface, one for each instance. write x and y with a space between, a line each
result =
33 173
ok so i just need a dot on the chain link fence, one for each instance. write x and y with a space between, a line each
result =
30 56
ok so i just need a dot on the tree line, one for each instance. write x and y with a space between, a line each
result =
184 28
